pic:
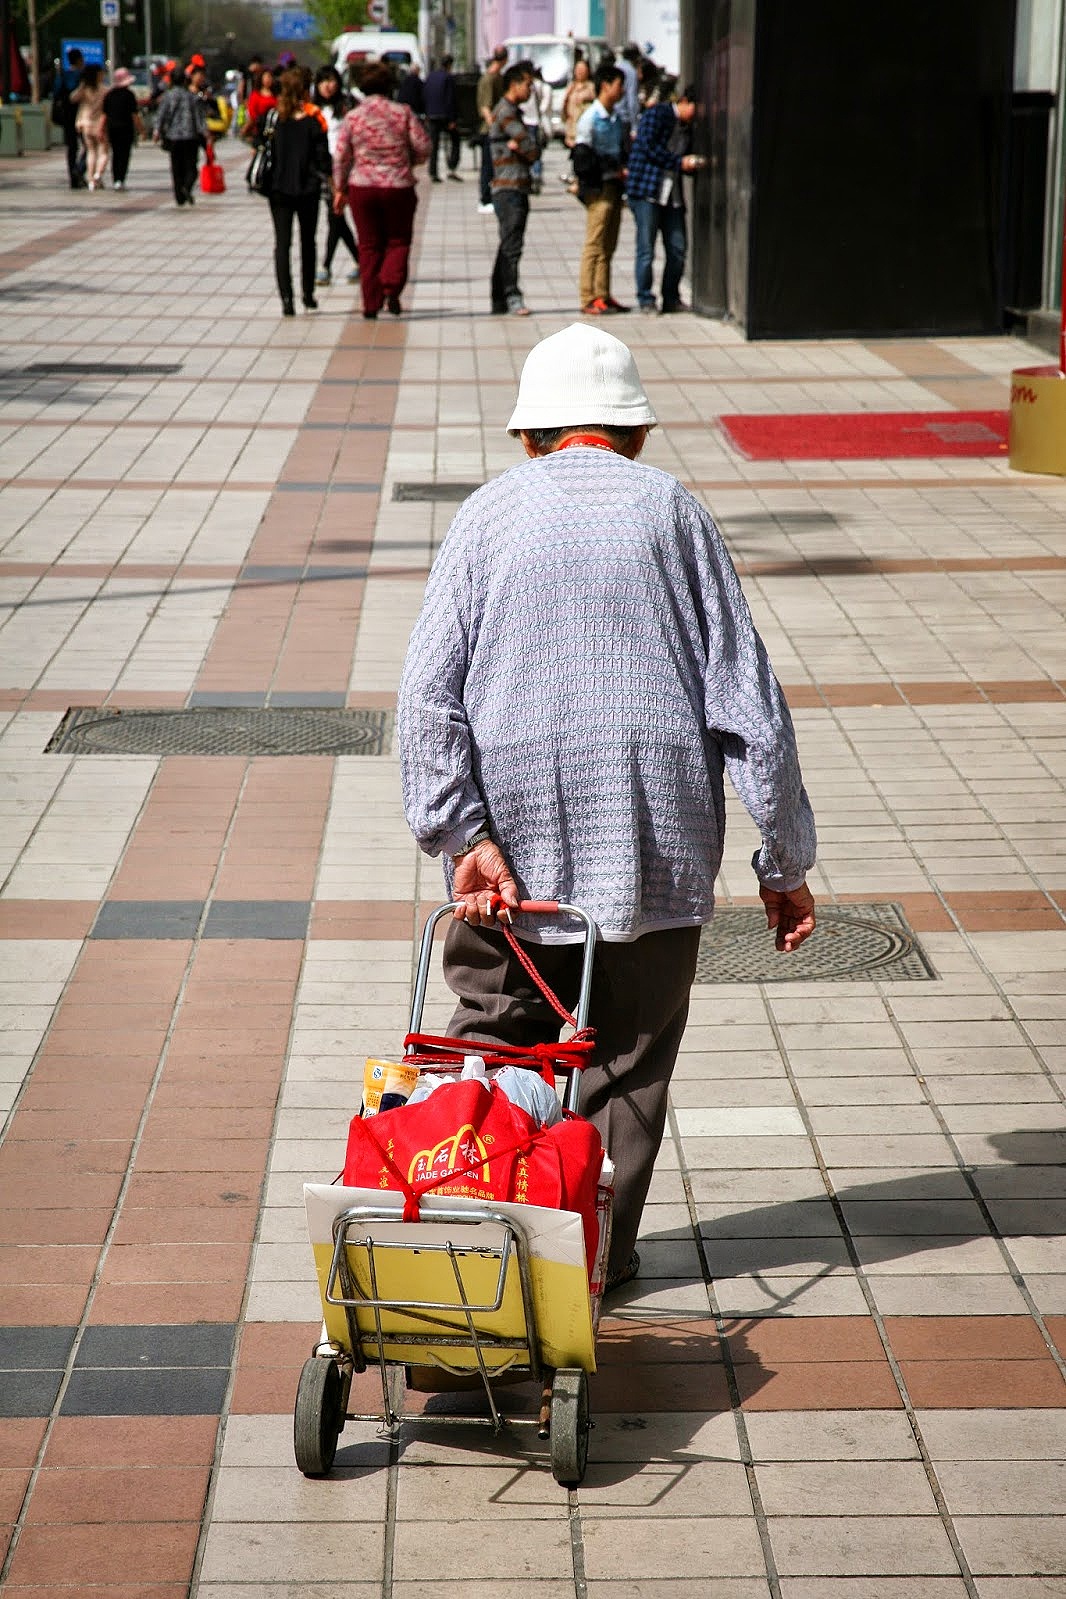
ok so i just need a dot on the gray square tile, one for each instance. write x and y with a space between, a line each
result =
148 919
96 1392
28 1393
237 699
35 1348
258 918
141 1348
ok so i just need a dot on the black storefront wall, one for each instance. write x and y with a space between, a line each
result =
859 164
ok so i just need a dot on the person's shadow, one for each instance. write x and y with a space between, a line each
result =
665 1380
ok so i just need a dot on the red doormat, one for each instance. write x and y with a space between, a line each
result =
868 435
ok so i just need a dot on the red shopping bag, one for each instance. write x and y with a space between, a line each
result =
468 1139
212 175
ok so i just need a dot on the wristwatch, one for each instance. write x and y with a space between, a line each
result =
482 836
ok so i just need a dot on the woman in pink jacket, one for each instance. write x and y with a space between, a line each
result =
380 144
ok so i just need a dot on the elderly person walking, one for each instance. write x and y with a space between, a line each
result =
378 148
584 672
181 128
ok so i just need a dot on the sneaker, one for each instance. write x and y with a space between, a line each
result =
353 276
433 178
649 310
596 308
615 305
672 310
322 275
454 177
486 210
118 184
519 310
287 308
392 305
311 304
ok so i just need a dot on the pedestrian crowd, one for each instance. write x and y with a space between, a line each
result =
350 145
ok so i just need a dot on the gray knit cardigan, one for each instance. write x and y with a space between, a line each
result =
584 670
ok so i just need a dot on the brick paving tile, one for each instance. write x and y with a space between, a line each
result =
226 534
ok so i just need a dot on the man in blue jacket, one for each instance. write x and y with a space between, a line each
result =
443 117
659 156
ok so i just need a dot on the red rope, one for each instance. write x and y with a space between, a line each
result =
526 962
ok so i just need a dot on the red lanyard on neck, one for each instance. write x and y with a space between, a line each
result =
593 440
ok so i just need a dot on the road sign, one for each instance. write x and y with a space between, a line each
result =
378 11
291 25
92 51
109 13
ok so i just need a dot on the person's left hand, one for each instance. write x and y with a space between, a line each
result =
479 878
789 916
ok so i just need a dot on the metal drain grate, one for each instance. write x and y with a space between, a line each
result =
852 943
222 730
452 493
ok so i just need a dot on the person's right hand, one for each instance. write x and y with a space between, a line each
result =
479 877
790 916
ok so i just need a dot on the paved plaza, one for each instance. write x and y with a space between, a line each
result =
841 1373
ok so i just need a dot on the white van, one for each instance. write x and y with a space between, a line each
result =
555 54
364 45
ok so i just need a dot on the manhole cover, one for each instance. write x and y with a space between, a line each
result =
451 492
222 730
851 943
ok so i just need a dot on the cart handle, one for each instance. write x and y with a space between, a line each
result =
530 906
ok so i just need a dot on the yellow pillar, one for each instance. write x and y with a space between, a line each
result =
1038 420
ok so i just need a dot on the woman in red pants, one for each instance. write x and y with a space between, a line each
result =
380 144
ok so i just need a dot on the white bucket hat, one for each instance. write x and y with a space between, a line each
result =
577 377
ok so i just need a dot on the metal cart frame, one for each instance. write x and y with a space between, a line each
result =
325 1381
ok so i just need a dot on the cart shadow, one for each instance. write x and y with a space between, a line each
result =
658 1399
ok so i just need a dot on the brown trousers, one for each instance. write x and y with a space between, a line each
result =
603 217
640 994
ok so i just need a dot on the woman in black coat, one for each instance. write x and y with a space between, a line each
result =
299 165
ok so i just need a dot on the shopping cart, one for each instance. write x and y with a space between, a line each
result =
473 1289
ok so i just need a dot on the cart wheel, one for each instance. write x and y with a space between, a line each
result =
570 1425
318 1417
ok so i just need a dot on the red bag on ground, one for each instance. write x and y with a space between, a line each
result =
469 1140
212 175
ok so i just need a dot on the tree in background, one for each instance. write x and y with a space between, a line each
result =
335 16
228 32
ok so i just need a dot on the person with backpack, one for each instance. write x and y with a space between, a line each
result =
599 158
